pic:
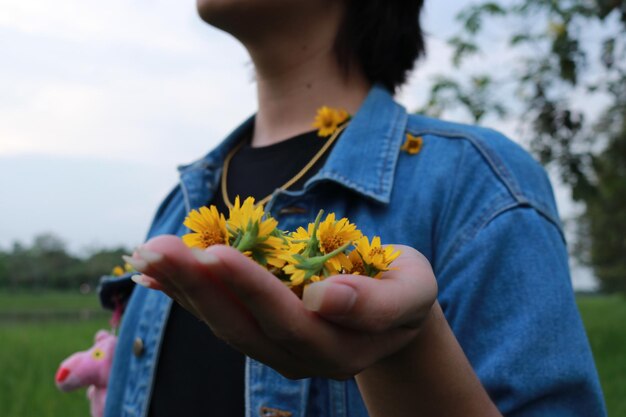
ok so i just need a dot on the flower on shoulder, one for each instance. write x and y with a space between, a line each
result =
376 258
333 234
208 228
328 120
255 234
413 144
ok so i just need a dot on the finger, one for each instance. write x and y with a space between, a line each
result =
323 348
147 281
283 334
190 278
163 258
265 296
402 297
163 261
153 284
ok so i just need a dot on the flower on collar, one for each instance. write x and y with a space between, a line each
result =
328 120
413 144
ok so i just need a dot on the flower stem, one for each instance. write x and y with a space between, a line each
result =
313 242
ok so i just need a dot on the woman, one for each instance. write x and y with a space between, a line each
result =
481 321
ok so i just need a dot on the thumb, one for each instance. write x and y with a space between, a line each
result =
403 296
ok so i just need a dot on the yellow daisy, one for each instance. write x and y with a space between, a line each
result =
296 275
299 239
209 228
243 215
328 120
255 234
306 260
271 249
118 271
358 268
376 259
333 234
302 273
413 144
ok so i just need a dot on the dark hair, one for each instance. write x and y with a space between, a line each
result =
385 38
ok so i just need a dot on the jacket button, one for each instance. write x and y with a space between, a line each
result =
138 347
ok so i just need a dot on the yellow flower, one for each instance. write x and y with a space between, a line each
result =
299 239
306 258
255 234
118 271
296 275
376 259
413 144
209 228
243 215
302 272
358 268
328 120
334 234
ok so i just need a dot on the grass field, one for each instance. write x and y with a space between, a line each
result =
11 302
605 319
29 356
30 352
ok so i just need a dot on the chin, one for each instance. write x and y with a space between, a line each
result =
221 13
250 17
251 20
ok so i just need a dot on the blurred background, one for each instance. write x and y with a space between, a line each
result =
100 101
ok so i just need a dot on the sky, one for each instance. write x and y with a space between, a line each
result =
101 101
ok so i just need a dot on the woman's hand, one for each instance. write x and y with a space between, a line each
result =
342 325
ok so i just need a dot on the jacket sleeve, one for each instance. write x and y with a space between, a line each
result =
507 295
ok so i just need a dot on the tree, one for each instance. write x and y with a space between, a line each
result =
559 51
4 269
102 262
47 264
50 262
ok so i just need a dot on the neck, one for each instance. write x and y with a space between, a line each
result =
295 77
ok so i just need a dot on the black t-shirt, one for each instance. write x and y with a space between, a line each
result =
198 375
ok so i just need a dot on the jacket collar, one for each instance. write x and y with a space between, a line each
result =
365 156
363 159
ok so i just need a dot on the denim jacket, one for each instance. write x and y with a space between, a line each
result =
474 203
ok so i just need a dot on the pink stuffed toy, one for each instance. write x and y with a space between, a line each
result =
89 368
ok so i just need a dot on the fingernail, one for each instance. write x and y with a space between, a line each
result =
139 264
141 280
149 256
204 257
337 298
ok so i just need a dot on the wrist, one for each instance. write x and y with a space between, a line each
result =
395 363
431 374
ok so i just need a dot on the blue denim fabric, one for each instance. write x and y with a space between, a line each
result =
474 203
